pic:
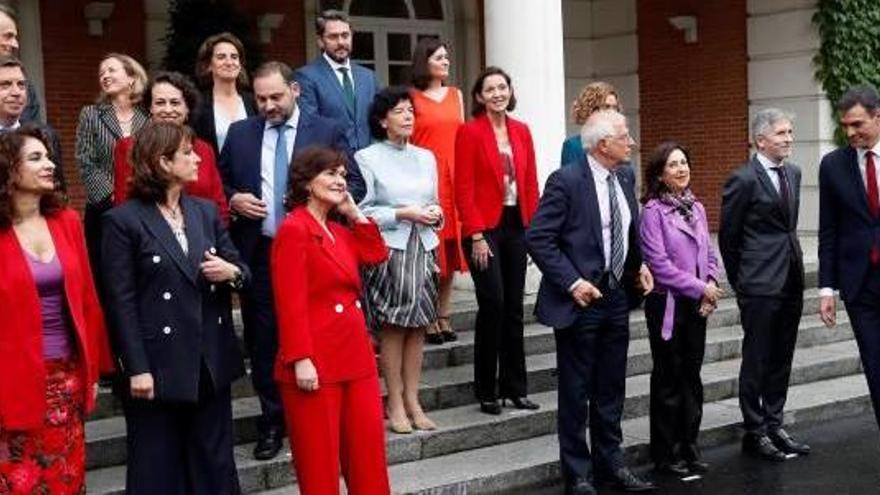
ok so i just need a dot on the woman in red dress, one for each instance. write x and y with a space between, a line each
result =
53 337
170 97
326 369
439 112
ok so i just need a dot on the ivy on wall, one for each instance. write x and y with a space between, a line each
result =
849 34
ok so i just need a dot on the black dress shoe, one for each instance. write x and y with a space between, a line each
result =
580 486
762 447
783 441
490 407
624 479
268 445
521 403
698 467
677 468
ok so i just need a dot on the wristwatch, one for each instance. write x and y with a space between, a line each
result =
237 281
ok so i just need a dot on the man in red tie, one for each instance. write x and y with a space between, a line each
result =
849 228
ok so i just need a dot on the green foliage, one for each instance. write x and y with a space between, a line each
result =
849 32
194 20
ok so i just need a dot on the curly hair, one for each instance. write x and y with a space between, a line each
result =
11 145
134 70
191 95
206 53
654 187
308 164
384 102
149 182
591 99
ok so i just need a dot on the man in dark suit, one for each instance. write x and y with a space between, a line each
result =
335 87
254 164
764 264
585 239
9 47
849 229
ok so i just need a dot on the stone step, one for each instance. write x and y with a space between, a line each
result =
464 427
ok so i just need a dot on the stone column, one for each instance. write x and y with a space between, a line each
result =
524 37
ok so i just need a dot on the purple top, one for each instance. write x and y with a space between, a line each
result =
49 278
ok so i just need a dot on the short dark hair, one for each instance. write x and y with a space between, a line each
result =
11 144
152 142
421 74
654 187
476 107
383 102
329 15
206 53
12 61
308 164
274 67
863 94
191 95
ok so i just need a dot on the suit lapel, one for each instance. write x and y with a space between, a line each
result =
105 113
255 150
770 189
331 80
328 246
303 134
679 222
196 237
155 223
591 197
858 183
490 149
361 86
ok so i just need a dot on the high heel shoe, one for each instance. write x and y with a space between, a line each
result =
433 335
446 330
490 407
421 421
520 403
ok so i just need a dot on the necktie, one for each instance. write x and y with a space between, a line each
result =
347 88
279 186
616 229
783 187
873 200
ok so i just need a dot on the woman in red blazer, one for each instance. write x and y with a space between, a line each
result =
52 339
326 369
496 191
170 97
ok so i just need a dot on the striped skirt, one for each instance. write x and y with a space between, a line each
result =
403 290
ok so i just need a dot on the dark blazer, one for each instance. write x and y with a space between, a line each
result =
321 94
162 313
479 174
565 240
758 235
846 228
32 109
203 119
239 166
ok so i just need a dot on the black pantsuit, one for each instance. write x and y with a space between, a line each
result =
676 386
261 337
498 346
770 326
591 359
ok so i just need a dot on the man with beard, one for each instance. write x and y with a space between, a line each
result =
254 164
335 87
764 264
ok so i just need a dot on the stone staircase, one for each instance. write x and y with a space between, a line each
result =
475 453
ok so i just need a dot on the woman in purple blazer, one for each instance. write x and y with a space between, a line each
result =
677 249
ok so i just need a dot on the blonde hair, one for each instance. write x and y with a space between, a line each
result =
134 70
592 99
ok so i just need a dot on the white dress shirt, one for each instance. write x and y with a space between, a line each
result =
769 166
336 66
267 166
600 177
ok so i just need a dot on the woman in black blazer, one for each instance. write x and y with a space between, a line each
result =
169 268
220 69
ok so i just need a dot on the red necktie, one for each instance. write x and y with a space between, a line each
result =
873 199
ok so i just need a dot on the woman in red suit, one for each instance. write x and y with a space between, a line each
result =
326 369
170 97
496 191
52 338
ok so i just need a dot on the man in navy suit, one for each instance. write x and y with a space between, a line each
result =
254 164
849 229
585 239
335 87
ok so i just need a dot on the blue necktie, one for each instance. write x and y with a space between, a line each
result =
282 162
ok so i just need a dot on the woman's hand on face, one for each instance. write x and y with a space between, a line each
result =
306 375
480 253
142 386
216 269
349 209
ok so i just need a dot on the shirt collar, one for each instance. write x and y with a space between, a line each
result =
766 162
15 125
599 172
291 122
862 151
336 65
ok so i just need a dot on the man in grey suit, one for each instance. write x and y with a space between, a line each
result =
764 264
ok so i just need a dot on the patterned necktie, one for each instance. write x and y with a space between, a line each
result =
873 199
616 229
347 88
279 186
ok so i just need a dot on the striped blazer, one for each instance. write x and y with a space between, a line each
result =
96 135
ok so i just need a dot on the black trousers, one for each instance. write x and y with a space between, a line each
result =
591 359
498 341
864 314
92 230
770 327
261 336
676 386
181 448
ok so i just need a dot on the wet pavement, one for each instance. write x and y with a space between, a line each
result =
845 461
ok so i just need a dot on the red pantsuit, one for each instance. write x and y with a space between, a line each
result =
317 285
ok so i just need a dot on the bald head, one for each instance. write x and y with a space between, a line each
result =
606 137
8 33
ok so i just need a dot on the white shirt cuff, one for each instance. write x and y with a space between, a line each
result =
576 282
826 291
